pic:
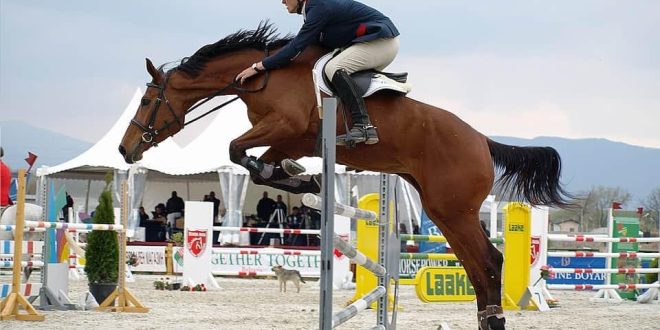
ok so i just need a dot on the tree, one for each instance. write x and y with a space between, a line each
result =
592 206
652 209
102 254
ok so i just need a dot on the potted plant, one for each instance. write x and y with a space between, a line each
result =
102 253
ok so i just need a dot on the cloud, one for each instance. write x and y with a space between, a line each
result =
556 95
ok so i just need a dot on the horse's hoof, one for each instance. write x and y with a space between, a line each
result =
291 167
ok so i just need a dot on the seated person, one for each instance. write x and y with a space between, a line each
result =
155 228
159 213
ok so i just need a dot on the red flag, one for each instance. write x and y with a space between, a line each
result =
640 210
616 205
30 160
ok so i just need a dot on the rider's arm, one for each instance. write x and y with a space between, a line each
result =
316 18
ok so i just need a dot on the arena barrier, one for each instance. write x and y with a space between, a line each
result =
620 259
54 286
15 306
386 266
208 261
31 249
15 303
517 242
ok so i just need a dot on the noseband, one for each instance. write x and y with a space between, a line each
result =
149 133
148 130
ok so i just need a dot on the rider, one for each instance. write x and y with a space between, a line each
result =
367 40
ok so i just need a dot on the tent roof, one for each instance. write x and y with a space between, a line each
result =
208 152
103 155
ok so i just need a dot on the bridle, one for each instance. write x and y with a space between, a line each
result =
149 132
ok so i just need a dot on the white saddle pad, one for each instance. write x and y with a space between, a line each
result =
378 81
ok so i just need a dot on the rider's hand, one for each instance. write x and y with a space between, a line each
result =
249 72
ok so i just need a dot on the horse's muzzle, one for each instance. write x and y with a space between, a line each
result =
129 158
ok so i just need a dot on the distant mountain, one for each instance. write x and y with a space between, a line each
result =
586 162
17 138
599 162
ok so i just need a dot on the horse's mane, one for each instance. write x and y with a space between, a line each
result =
264 37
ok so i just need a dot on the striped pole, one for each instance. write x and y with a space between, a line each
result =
76 226
29 247
26 289
601 286
575 254
269 230
315 202
439 238
584 238
604 270
272 252
358 306
358 257
429 256
9 264
25 229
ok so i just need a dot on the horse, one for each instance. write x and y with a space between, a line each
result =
450 164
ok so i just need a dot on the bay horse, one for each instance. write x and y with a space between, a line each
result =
451 165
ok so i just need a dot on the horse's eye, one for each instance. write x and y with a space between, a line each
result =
145 102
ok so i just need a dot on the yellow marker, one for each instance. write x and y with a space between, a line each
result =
437 284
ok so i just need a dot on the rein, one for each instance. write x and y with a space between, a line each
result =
148 130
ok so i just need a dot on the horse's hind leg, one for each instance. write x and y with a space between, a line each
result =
482 262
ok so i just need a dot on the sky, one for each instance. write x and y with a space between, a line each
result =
526 68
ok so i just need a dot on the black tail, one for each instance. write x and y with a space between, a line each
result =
529 173
301 278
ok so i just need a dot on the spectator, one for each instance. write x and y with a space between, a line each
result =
174 208
143 217
265 207
67 206
293 221
218 208
280 205
159 213
483 226
280 211
5 183
156 227
416 229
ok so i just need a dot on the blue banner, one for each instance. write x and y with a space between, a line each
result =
569 262
429 228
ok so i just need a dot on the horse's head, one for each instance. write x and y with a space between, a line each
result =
160 115
207 73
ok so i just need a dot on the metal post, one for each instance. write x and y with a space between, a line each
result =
383 236
328 145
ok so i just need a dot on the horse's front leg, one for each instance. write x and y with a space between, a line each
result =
273 165
281 178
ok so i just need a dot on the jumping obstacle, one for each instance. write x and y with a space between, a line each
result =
387 264
10 308
517 242
610 291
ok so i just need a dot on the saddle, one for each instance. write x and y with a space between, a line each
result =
368 81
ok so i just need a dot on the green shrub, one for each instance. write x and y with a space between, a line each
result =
102 253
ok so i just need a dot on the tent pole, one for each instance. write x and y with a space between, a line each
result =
89 184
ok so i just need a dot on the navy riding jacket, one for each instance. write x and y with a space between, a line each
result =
334 24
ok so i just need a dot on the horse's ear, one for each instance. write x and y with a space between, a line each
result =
153 72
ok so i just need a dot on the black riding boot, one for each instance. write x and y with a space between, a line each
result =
362 130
